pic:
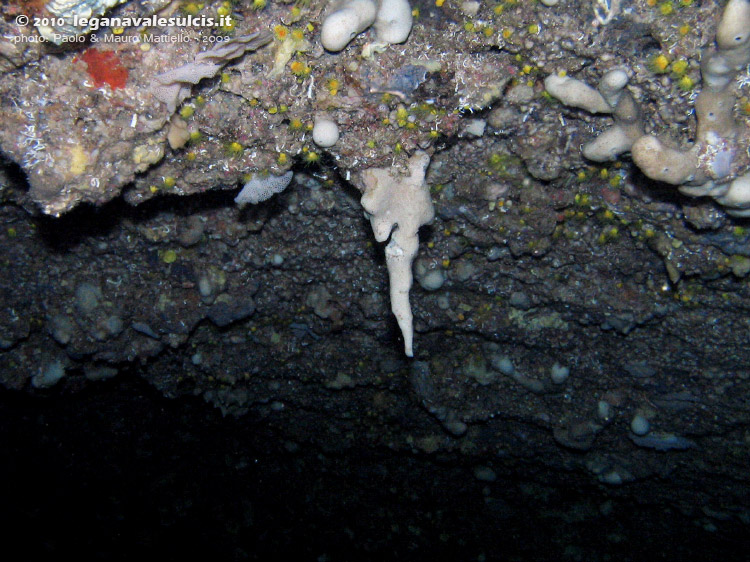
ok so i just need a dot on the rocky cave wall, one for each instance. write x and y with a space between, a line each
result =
575 318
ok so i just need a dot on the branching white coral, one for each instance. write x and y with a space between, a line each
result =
398 205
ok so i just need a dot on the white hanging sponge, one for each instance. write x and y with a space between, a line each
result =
397 205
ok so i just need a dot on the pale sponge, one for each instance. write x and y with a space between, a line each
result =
717 164
325 132
397 206
393 22
260 187
610 97
575 93
664 163
346 19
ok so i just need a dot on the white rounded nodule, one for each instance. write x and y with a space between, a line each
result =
325 133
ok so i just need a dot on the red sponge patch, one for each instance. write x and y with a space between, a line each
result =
105 67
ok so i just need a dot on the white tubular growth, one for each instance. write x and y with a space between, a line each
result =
575 93
610 97
717 163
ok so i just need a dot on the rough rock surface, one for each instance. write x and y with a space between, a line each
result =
278 314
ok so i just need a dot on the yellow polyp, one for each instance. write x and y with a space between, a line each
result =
281 32
310 156
229 24
191 8
169 256
679 67
333 86
686 83
658 64
235 148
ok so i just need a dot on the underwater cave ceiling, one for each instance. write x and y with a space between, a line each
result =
573 318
